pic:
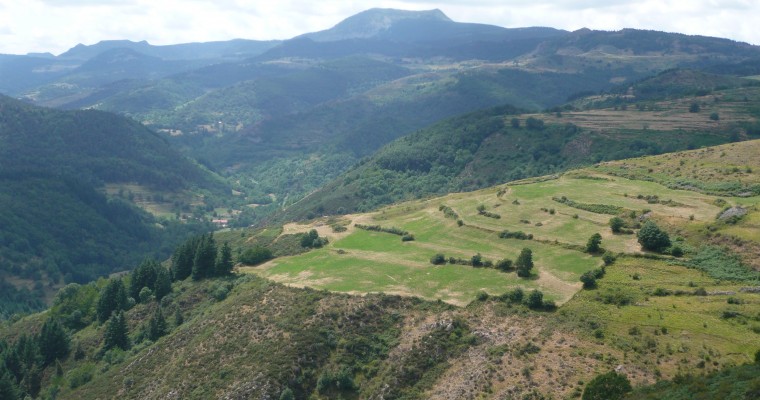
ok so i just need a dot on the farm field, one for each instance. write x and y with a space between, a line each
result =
560 212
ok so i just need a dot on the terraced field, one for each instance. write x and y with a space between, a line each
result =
554 210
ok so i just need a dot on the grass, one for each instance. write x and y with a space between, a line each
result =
672 327
361 261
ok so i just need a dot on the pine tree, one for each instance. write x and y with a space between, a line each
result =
32 381
224 262
163 284
116 333
205 258
54 342
156 325
8 389
182 260
524 263
143 276
112 298
178 318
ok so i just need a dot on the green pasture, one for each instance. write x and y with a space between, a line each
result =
675 325
369 261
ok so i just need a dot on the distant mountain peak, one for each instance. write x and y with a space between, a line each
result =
372 22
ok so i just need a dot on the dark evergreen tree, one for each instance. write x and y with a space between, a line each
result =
116 334
143 276
224 262
163 284
524 263
651 237
54 342
156 325
178 318
13 364
28 351
32 381
113 297
182 260
205 258
8 389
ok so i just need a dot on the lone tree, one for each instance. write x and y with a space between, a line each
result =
651 237
524 263
157 325
594 243
609 386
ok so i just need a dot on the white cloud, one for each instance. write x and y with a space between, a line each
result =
56 25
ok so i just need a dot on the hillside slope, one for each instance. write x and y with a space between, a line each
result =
58 225
649 316
488 147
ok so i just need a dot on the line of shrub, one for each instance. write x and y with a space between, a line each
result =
448 212
405 236
505 234
594 208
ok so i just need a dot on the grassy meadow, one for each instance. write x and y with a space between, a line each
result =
361 261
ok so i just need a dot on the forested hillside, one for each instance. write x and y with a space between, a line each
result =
282 119
58 224
500 145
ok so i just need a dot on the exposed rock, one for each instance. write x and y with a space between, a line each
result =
735 211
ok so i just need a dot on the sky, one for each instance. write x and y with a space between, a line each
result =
56 25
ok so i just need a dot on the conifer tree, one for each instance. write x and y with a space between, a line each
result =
156 325
8 389
224 262
524 263
116 333
112 298
205 258
182 260
143 276
163 284
54 342
178 318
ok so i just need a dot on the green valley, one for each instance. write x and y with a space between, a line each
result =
399 207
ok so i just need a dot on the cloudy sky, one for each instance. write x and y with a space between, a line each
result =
57 25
